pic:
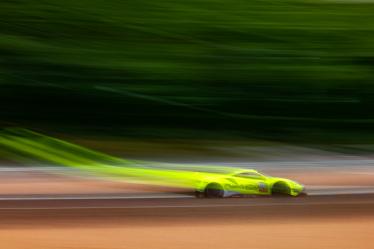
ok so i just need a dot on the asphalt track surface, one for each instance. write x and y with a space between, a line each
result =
44 215
312 191
34 212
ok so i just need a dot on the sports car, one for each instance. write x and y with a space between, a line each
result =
245 182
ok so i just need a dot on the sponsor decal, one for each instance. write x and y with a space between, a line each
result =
262 187
241 186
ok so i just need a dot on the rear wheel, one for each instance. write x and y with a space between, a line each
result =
214 190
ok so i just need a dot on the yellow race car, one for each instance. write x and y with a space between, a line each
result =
245 182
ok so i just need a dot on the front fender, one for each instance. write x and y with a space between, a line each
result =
295 188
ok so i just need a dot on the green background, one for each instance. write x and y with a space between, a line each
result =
295 71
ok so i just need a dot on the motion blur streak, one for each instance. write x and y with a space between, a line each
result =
281 86
23 142
292 70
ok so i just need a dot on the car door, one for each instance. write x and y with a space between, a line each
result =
250 183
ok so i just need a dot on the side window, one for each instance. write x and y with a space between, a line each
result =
249 175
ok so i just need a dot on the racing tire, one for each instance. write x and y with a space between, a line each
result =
280 189
214 190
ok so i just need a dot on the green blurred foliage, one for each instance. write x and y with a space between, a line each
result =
293 70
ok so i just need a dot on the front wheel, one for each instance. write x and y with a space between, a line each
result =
214 190
280 189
